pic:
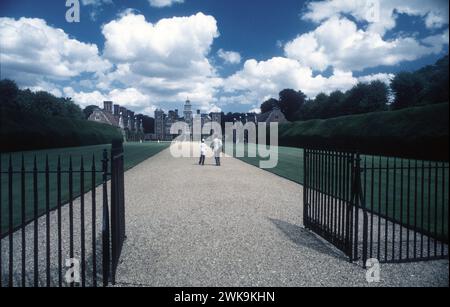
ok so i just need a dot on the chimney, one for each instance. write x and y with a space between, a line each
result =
107 106
116 110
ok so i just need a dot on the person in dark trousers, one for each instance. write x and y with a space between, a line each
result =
203 149
217 148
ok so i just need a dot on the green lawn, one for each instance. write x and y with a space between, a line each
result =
428 203
134 153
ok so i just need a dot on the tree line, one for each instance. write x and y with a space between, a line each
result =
41 103
428 85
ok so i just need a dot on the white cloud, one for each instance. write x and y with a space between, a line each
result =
229 57
164 3
49 87
96 7
436 41
130 98
258 81
338 43
256 110
167 60
386 78
33 51
96 2
174 40
85 98
380 14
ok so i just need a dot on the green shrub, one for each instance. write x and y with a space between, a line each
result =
417 132
26 131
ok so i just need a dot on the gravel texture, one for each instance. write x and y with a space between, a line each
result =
65 246
235 225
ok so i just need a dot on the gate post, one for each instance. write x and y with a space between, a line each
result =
362 202
355 203
117 205
305 187
105 226
359 202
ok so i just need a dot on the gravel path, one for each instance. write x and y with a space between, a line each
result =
235 225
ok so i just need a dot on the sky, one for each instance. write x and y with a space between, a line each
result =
224 55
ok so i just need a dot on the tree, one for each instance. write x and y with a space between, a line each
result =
269 105
290 102
354 98
436 82
376 97
407 88
148 124
8 94
70 109
335 101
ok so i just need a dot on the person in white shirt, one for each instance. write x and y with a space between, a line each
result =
216 145
203 149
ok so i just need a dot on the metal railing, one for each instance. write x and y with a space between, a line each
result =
52 230
391 209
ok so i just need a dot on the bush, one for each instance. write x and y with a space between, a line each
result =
417 132
29 132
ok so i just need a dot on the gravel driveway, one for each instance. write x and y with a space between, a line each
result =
235 225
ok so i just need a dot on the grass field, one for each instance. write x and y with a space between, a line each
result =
134 153
426 204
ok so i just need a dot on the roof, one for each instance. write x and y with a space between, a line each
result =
274 116
105 117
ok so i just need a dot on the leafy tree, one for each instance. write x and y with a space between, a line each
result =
290 102
354 98
376 97
436 82
407 88
148 123
41 103
70 109
8 94
269 105
365 98
334 104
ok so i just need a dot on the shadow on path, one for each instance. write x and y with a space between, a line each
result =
302 237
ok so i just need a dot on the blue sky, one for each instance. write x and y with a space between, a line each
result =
224 55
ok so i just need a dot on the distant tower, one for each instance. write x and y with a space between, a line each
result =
188 113
129 123
108 106
122 127
159 124
121 124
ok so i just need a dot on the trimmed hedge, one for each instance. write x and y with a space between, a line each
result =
418 132
19 132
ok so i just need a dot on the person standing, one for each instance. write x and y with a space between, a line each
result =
217 148
203 149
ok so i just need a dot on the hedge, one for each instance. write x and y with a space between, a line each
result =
19 132
418 132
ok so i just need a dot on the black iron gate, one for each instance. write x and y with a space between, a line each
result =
390 209
328 207
48 222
